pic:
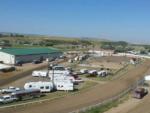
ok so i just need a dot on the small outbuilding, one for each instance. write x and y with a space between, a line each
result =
13 55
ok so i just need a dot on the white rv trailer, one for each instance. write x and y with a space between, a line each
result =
147 78
42 86
65 85
102 73
67 78
57 71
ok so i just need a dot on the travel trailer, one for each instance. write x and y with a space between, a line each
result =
102 73
65 85
59 70
147 78
56 70
42 86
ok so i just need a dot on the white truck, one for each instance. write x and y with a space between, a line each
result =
10 89
40 73
7 99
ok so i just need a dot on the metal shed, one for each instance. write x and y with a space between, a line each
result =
11 55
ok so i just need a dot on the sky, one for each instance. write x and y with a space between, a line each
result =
127 20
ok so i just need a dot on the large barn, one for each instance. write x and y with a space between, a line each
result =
12 55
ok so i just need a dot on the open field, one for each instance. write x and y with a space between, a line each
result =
108 62
92 96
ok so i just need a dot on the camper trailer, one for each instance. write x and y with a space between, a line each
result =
64 85
42 86
147 78
59 70
60 84
102 73
55 70
67 78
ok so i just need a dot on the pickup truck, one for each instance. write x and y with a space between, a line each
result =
9 89
7 99
139 93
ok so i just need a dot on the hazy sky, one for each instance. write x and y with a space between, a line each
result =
112 19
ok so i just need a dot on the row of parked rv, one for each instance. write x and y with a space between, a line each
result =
101 73
59 77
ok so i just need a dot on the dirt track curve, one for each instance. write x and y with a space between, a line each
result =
92 96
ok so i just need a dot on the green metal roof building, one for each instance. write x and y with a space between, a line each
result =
11 55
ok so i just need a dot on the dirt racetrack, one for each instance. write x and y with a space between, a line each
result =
143 107
92 96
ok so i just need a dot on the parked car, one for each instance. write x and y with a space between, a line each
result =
10 89
92 72
8 69
84 71
139 93
36 62
7 99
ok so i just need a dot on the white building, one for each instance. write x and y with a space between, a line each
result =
12 55
101 52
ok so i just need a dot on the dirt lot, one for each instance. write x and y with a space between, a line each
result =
21 72
108 62
133 105
142 107
91 96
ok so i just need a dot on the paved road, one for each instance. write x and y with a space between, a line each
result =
92 96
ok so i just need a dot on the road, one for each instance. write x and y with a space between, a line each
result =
133 105
94 95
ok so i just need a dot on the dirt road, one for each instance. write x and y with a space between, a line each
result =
133 105
92 96
143 107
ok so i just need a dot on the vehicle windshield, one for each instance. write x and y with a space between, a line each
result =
1 97
59 68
